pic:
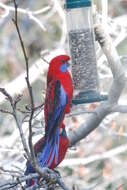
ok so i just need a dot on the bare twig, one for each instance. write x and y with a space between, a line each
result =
28 110
12 172
7 95
6 111
14 113
17 99
18 180
28 84
43 58
13 183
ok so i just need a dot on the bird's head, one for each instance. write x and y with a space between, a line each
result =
58 64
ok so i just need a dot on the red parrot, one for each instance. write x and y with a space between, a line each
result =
51 149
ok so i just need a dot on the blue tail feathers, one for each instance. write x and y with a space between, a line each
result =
50 150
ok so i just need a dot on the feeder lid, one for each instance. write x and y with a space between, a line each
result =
70 4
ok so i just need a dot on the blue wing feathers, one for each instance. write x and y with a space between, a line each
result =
52 130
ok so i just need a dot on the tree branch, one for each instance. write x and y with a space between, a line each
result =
113 58
119 108
33 159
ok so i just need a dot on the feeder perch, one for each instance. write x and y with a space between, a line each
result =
82 49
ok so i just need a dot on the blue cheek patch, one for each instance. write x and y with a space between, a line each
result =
63 67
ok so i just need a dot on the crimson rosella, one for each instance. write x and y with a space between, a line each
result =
51 149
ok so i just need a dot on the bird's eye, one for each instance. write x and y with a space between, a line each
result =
63 67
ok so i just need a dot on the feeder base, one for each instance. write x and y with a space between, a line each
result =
88 97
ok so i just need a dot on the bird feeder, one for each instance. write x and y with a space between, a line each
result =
82 49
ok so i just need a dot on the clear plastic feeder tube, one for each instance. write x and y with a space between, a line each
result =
82 45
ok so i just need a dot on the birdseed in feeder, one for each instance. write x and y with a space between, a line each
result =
84 69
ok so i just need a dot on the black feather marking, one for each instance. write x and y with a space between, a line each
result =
56 98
